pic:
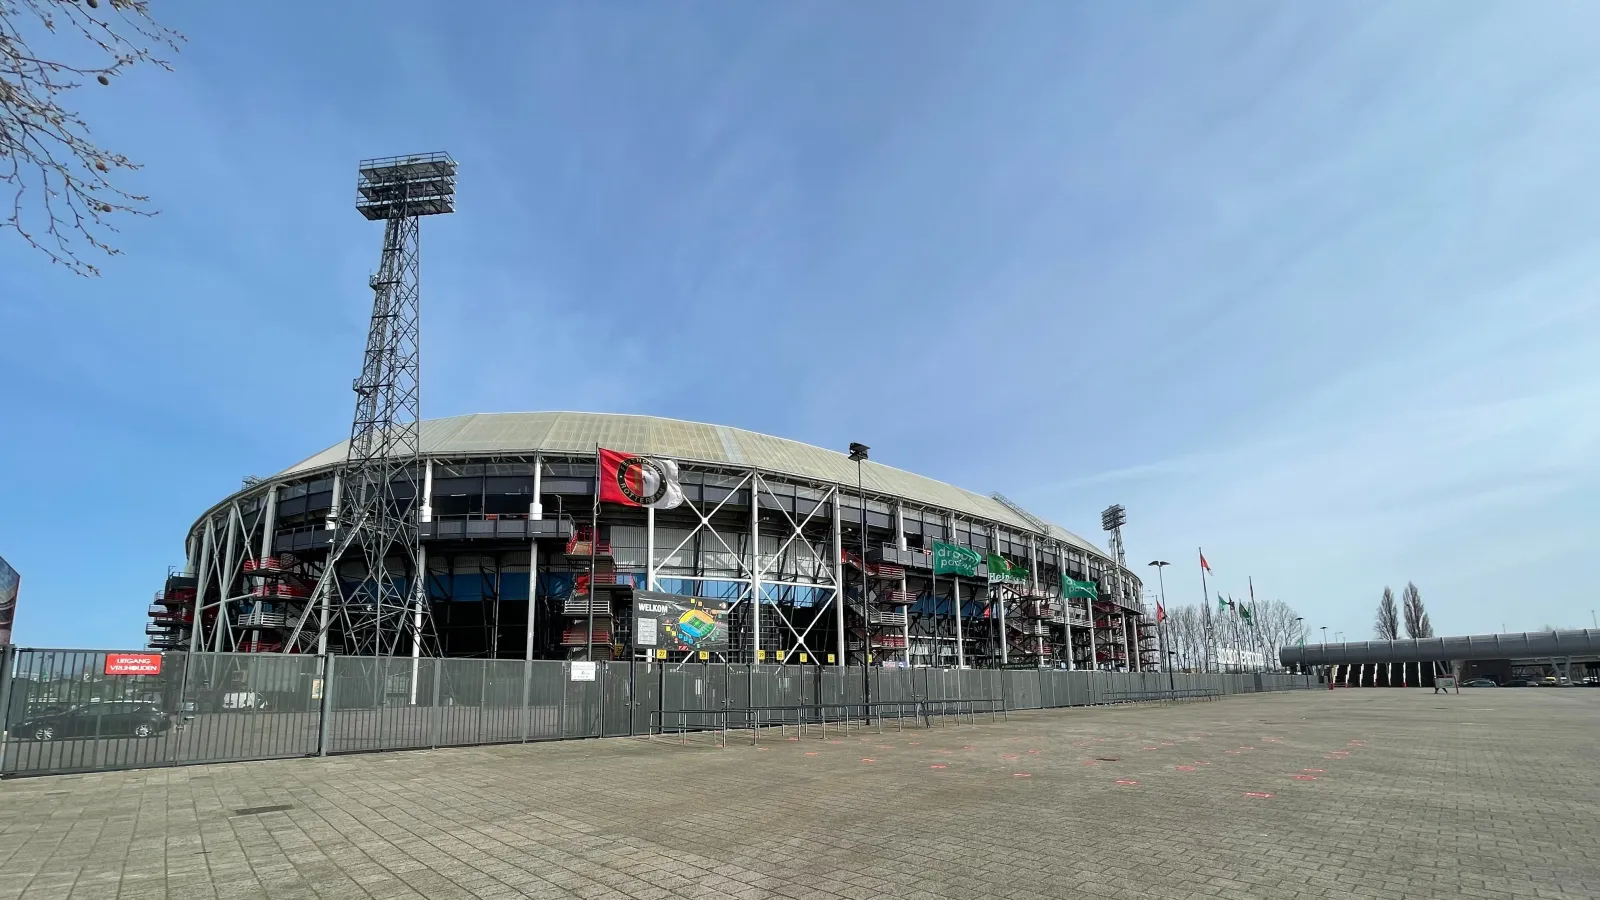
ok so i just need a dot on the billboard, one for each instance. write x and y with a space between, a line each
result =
679 622
9 579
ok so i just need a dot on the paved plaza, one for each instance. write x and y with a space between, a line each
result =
1342 794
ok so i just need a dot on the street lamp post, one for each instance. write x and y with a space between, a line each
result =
1161 629
858 452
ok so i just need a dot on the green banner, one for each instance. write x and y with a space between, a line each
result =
1083 589
1000 570
949 559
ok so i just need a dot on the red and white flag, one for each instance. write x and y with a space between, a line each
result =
639 480
1205 566
1161 613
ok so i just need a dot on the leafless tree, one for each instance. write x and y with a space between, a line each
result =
62 195
1279 626
1387 624
1417 624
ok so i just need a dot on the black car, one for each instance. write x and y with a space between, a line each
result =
113 718
1479 682
1519 682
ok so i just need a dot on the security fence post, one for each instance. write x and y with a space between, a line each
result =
8 655
436 715
325 711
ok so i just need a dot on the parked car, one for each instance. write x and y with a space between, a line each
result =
1480 682
113 718
1519 682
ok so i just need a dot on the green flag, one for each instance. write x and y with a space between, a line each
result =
1222 605
1000 570
949 559
1246 615
1077 589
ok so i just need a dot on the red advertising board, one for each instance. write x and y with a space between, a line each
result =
133 664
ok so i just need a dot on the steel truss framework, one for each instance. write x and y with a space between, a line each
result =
782 556
374 609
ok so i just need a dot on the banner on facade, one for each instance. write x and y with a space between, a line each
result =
639 480
679 622
950 559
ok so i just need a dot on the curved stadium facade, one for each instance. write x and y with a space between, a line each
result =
769 526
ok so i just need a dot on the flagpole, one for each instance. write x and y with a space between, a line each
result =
1205 609
933 594
1255 627
594 541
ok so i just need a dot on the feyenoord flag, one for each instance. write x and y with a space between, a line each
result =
639 480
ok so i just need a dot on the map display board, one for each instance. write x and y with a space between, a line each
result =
679 622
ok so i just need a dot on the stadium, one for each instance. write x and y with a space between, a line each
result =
769 532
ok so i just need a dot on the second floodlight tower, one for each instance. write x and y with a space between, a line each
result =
372 595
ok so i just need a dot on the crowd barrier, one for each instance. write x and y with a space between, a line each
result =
63 712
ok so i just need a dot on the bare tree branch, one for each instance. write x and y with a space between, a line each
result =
62 195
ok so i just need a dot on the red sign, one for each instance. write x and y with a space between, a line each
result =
133 664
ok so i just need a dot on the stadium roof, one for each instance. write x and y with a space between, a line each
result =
578 433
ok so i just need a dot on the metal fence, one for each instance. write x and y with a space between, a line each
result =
63 712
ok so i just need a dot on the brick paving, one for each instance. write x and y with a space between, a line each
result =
1347 794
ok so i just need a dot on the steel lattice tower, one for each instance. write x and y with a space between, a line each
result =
371 596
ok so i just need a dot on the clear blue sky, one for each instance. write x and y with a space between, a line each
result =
1312 285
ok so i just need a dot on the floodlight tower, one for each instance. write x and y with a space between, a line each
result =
376 549
1112 519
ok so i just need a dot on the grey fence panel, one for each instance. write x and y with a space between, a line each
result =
1022 688
458 710
891 685
384 704
546 692
1047 689
502 713
220 707
646 695
64 714
239 706
840 685
786 685
616 698
746 686
1082 690
583 706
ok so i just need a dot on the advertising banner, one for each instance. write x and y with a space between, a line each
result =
949 559
679 622
9 580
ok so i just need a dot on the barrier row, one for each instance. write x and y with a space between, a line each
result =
62 712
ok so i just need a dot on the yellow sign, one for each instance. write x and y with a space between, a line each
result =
830 659
705 654
661 654
803 657
761 655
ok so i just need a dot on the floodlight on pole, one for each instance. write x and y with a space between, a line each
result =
373 606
